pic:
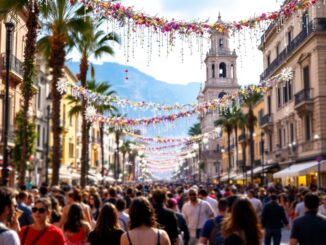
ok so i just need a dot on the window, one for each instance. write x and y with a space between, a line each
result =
291 133
268 60
221 43
305 21
270 142
70 120
279 100
213 71
289 37
44 137
39 98
222 70
220 95
269 104
308 127
283 137
260 117
285 93
71 150
306 77
277 49
280 137
38 135
290 89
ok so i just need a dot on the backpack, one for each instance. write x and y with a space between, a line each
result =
215 237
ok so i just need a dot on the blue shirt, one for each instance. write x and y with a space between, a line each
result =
209 225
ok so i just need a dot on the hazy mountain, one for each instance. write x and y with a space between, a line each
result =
140 86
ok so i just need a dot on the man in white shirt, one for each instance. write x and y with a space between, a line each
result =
255 202
203 195
123 217
196 212
8 216
322 208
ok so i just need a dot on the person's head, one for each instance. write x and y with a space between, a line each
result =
273 197
141 213
192 193
77 195
251 193
41 210
43 191
244 218
159 196
120 204
22 197
130 192
202 193
311 201
74 218
7 204
107 219
30 199
95 200
172 204
222 206
112 192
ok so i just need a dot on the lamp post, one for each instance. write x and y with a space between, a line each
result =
5 171
262 146
319 159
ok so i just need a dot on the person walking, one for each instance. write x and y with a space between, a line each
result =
322 208
165 217
196 212
107 228
242 227
41 231
143 226
76 228
122 215
273 219
211 231
310 229
258 205
203 195
8 217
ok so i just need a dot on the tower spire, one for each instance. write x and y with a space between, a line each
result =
219 16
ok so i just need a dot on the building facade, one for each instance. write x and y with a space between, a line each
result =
221 79
293 113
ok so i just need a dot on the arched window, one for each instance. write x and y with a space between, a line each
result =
213 70
222 70
221 94
221 43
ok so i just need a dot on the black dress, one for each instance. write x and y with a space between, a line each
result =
112 238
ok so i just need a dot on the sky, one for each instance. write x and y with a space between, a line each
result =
172 69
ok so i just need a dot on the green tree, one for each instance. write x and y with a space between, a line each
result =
194 130
226 121
14 7
91 42
61 20
249 100
31 135
125 149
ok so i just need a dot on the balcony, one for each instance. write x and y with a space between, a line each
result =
11 137
317 25
242 138
16 67
303 102
267 122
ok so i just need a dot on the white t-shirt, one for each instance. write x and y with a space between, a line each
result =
299 209
322 211
213 203
124 220
8 237
257 205
194 219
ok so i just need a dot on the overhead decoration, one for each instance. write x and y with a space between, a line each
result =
125 14
93 117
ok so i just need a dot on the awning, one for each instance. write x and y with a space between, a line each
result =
300 169
256 170
226 177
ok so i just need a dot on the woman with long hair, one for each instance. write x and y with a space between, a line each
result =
95 205
76 229
143 226
41 231
242 227
107 227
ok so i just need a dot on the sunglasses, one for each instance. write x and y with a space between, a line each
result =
192 194
40 210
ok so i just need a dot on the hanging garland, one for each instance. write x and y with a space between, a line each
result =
124 14
92 116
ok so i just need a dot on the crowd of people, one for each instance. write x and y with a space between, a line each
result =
153 214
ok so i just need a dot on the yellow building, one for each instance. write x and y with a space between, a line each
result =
240 169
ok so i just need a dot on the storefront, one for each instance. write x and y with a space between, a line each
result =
302 174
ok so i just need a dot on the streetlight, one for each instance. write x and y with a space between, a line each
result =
262 150
10 26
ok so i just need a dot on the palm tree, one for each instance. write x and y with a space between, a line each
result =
243 122
236 116
193 131
226 122
61 20
14 7
249 100
103 89
90 42
125 148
